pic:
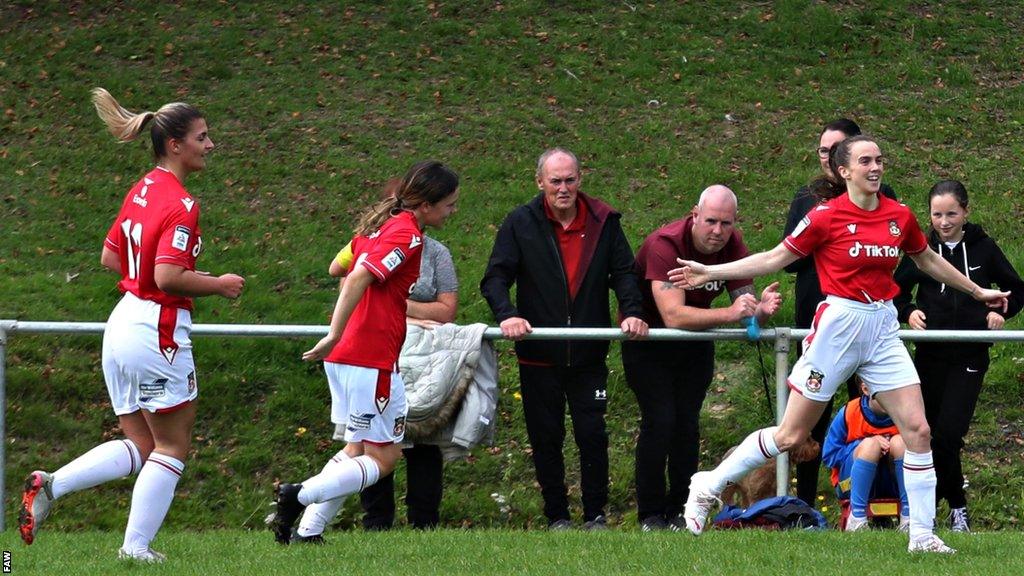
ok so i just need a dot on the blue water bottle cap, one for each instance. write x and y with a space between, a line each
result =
753 328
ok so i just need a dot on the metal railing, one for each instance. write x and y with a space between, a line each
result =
781 336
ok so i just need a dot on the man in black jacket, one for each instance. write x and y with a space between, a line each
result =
564 250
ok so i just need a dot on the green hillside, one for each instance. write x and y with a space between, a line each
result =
314 106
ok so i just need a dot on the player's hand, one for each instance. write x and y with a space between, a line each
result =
230 285
993 298
690 275
515 328
321 350
634 327
771 300
995 321
745 305
885 443
917 320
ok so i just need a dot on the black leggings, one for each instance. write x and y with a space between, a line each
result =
950 385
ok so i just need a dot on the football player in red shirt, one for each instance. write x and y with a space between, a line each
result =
147 352
856 236
360 352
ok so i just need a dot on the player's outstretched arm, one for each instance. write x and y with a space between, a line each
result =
691 274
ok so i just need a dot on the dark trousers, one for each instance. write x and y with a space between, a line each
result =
807 472
950 385
670 380
546 391
424 472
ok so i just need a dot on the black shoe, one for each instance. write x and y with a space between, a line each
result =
653 524
598 523
288 510
677 523
316 539
560 525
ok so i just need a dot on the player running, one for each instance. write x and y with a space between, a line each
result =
147 352
856 237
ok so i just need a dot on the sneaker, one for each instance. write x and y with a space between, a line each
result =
148 556
677 523
560 525
597 524
699 504
653 524
288 511
854 523
36 501
904 524
958 520
930 543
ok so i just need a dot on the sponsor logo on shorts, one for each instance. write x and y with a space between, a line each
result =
600 394
814 381
191 382
154 389
399 425
393 259
359 422
181 237
894 228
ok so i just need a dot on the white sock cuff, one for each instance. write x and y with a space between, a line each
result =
917 461
370 470
766 441
168 463
133 455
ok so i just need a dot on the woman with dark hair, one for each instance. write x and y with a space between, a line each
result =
147 352
952 373
808 291
360 352
856 236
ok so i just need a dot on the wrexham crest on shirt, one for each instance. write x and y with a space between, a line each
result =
894 228
399 425
814 381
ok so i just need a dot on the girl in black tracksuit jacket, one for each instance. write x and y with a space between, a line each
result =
952 373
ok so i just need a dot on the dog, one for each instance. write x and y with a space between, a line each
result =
760 483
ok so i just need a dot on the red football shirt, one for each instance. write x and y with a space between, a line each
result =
856 250
375 332
158 223
674 240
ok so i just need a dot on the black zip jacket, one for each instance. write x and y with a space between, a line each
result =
526 253
976 256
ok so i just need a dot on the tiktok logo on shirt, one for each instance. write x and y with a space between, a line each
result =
874 251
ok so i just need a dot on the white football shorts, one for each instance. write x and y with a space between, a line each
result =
147 357
369 402
850 337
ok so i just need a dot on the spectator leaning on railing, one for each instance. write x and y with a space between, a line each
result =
564 250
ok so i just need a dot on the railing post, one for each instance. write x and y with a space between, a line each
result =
781 397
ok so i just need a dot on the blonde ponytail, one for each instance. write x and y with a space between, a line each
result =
124 125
